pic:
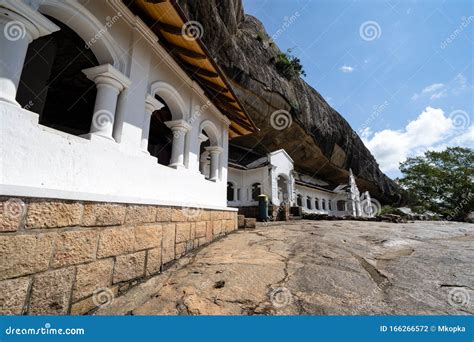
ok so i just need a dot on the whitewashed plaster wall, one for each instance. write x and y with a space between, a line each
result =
39 161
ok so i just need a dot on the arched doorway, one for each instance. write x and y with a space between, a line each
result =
341 205
230 192
299 200
256 191
209 151
160 138
309 203
53 85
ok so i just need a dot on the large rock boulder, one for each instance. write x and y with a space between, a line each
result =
320 140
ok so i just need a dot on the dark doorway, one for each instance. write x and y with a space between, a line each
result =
53 85
160 139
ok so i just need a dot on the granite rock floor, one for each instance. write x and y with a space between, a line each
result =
317 268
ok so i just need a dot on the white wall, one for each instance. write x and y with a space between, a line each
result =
320 195
243 180
42 162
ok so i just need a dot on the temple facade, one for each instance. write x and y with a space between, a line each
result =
115 125
114 145
274 176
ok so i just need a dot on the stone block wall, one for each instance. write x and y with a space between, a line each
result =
67 257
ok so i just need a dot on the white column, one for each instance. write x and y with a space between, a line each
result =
110 82
203 162
273 185
179 128
151 105
214 151
19 26
202 138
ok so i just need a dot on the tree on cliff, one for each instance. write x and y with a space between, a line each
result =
442 182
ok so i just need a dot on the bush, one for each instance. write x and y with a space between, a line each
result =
388 209
288 66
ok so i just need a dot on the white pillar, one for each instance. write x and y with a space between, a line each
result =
19 26
214 151
151 105
203 162
179 128
110 82
202 138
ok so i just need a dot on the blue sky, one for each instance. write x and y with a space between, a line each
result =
401 72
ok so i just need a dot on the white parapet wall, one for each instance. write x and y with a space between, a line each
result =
38 161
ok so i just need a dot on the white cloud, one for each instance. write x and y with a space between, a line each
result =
460 84
365 133
439 90
346 69
438 95
432 88
427 132
466 138
435 87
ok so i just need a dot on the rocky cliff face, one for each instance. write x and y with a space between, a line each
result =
319 139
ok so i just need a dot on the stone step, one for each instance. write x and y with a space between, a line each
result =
250 223
241 221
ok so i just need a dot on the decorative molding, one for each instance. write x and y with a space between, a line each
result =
35 23
106 73
83 22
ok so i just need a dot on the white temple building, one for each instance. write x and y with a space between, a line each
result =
115 123
97 105
274 176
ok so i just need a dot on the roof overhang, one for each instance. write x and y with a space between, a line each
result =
313 186
168 21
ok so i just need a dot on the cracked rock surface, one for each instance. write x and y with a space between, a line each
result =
318 268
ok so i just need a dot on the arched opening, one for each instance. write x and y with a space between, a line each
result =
299 200
209 151
53 85
316 203
330 205
160 138
283 191
230 191
308 203
323 204
341 205
204 157
256 191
